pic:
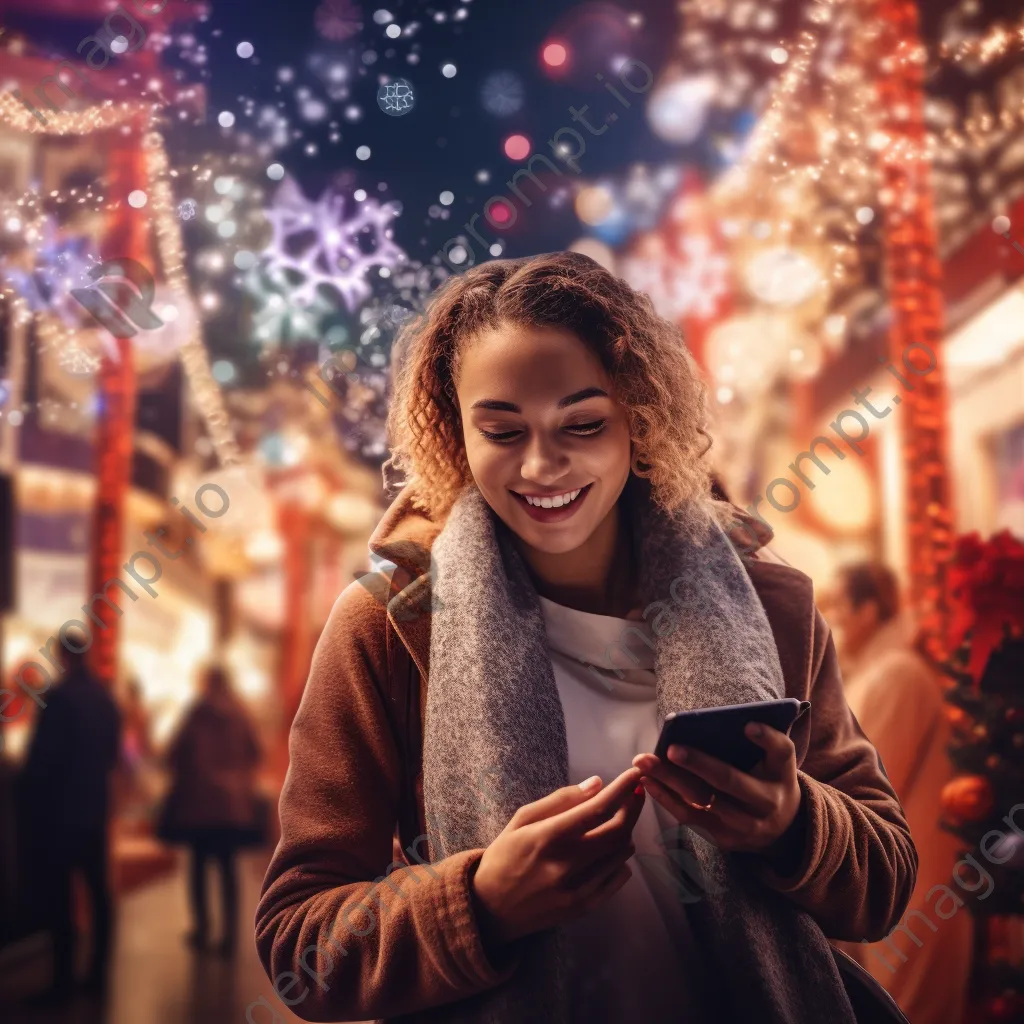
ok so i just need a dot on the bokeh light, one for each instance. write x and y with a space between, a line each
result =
554 55
594 204
517 147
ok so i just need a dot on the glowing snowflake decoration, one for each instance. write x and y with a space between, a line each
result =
338 20
691 288
316 246
278 319
187 209
396 98
78 361
61 264
502 93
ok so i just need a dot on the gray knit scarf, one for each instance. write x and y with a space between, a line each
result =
494 723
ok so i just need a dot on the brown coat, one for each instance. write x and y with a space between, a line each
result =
339 947
213 759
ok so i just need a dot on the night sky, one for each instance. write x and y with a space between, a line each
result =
448 136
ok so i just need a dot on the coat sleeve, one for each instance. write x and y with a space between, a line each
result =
859 863
344 932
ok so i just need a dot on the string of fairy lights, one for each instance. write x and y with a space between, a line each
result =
206 391
999 42
809 171
126 116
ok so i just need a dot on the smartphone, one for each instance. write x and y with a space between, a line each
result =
719 731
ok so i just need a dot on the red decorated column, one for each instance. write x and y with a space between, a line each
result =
914 279
127 236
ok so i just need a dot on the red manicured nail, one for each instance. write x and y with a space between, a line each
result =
639 789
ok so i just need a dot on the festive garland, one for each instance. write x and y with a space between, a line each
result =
168 235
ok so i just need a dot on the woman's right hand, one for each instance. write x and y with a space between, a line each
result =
557 858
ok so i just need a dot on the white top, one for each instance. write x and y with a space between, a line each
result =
632 960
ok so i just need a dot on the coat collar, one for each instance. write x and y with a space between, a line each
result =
405 535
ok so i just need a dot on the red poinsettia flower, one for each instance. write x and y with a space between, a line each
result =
986 587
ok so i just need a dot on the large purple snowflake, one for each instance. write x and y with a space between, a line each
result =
333 242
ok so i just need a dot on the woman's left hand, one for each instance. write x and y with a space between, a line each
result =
749 812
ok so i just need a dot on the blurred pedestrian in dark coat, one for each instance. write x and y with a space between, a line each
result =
65 803
213 805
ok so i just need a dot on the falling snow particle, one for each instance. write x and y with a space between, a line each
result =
382 17
119 44
448 70
363 153
359 195
275 172
137 199
223 371
225 119
245 50
446 198
393 31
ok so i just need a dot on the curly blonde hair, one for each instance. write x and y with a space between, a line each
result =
644 355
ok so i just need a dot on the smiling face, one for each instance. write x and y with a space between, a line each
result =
547 443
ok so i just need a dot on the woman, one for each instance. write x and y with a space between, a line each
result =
550 428
212 804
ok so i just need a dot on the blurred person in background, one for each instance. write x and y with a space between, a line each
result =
898 702
65 796
213 805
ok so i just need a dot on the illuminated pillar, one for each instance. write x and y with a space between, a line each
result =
127 236
914 281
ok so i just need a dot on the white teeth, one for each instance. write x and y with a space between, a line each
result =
554 502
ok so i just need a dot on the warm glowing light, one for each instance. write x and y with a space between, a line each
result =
499 213
517 147
594 204
554 55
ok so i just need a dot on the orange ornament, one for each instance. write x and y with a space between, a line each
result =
967 798
957 717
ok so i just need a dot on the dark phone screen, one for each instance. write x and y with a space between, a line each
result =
719 731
